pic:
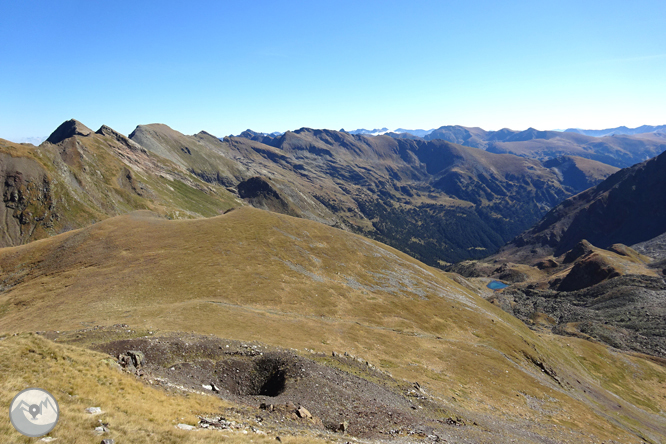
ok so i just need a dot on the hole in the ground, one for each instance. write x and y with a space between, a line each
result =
274 385
261 376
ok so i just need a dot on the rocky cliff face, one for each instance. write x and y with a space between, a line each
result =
28 204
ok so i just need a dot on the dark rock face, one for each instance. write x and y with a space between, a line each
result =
256 187
28 205
68 129
259 192
626 208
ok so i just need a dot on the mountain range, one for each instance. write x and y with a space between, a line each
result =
619 130
147 274
439 201
620 147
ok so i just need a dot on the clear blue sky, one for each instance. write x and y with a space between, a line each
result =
224 66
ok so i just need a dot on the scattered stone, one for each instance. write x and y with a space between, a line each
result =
343 427
48 439
186 427
101 430
302 412
108 441
218 423
94 410
457 421
257 431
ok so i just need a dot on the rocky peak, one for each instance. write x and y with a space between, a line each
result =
110 132
68 129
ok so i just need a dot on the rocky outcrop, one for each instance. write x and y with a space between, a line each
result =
68 129
28 205
587 272
261 193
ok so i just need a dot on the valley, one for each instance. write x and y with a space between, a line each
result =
242 283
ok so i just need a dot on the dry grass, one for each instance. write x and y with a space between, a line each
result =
136 412
293 283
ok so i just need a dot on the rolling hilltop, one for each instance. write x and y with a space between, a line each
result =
291 285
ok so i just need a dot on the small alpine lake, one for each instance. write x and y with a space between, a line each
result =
496 285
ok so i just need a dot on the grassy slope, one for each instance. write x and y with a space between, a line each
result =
86 175
78 379
253 275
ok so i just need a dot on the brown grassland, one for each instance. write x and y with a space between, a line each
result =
252 275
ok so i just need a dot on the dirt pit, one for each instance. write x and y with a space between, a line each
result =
340 393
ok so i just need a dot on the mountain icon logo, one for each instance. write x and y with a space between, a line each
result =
34 412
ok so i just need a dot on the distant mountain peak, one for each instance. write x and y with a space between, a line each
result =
68 129
620 130
365 132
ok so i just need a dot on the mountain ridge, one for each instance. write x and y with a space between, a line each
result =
439 201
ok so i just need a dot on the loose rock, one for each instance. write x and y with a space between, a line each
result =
302 412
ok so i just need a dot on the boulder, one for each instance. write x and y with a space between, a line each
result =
302 412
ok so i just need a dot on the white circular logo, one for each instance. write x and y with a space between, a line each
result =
34 412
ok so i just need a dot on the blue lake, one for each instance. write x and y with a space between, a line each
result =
496 285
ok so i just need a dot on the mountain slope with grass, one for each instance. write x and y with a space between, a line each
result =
625 208
79 176
439 202
465 369
575 273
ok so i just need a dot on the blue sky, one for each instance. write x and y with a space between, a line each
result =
224 66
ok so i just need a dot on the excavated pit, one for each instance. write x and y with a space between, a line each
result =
341 393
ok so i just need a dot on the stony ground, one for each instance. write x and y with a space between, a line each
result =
626 312
281 392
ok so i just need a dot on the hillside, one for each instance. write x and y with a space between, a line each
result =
573 272
79 176
622 209
437 201
289 283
